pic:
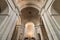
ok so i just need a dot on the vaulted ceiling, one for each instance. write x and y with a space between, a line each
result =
21 3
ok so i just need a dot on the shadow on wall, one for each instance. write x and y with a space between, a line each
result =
56 5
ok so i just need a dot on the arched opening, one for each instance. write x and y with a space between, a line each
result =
29 14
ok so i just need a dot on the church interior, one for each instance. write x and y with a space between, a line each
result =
29 19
